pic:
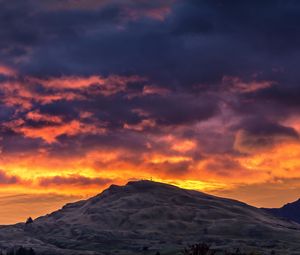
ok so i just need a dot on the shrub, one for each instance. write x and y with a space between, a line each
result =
20 251
204 249
199 249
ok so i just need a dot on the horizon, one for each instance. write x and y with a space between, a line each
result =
49 208
203 95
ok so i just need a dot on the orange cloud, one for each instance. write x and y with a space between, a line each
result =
37 116
106 86
22 93
184 145
211 173
158 13
7 71
144 124
150 89
235 84
50 133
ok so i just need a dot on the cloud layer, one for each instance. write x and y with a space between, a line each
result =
203 94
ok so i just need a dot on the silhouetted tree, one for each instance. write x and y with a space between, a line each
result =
29 220
238 251
31 252
21 251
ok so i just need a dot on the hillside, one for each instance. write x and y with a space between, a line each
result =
290 211
146 215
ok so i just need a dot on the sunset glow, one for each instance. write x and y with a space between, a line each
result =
94 93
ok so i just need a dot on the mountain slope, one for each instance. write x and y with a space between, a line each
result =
290 211
124 219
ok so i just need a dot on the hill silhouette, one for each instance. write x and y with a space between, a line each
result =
151 216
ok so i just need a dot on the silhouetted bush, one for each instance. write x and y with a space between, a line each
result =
238 252
204 249
20 251
198 249
10 252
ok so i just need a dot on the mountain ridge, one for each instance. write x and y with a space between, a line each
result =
289 211
161 217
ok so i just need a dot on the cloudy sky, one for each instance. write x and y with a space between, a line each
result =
203 94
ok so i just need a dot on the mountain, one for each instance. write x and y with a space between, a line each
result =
146 215
290 211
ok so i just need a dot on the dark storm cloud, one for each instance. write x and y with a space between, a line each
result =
76 180
257 134
171 169
12 142
178 109
284 95
195 42
119 74
259 127
225 167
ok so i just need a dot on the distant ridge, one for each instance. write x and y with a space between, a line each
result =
152 216
290 211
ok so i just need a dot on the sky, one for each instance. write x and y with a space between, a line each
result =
203 94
